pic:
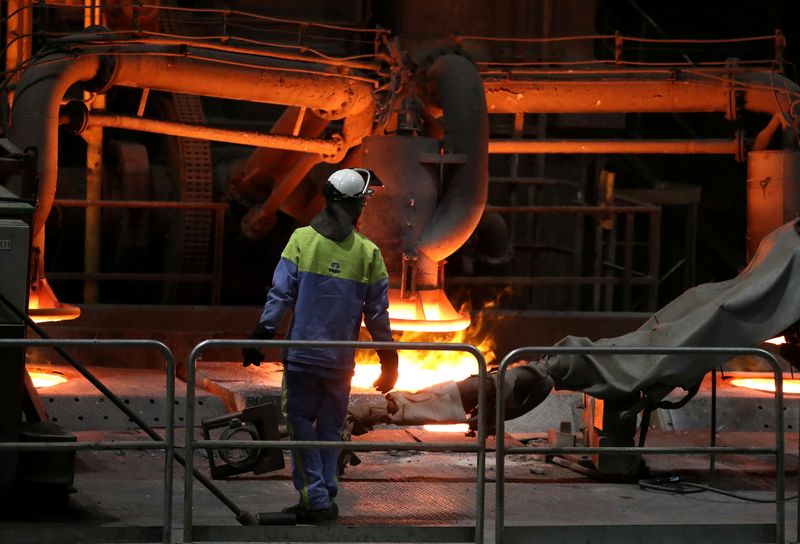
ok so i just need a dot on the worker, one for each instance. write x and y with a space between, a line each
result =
332 276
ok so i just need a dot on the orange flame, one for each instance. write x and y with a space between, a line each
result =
420 369
791 387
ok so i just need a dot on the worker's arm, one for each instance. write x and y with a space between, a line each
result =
376 318
281 296
280 299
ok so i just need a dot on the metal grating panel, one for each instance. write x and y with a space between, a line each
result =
407 503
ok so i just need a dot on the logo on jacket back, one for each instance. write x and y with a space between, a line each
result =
334 268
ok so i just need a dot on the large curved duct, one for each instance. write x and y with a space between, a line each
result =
454 82
35 114
34 120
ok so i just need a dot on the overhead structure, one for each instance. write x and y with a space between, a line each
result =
421 124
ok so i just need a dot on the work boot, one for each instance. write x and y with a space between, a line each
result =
304 515
323 516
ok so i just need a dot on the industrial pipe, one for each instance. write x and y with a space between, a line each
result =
260 220
232 77
679 147
252 177
456 86
242 137
35 114
679 93
34 123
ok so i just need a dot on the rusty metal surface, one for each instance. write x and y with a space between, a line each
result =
200 131
77 406
408 503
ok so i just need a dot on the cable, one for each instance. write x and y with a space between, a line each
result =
675 485
39 62
232 12
17 11
200 41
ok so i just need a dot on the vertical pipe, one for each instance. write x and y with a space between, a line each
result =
597 266
521 226
219 219
480 514
713 458
780 475
626 290
655 258
169 462
188 448
94 177
455 84
611 257
94 180
541 134
773 192
691 246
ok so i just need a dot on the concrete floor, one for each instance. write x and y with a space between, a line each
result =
404 496
118 498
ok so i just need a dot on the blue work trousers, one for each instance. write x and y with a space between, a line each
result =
315 408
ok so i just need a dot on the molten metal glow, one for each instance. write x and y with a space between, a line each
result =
43 306
454 428
421 369
429 311
791 387
46 379
777 341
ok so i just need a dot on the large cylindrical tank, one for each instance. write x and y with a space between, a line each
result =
773 193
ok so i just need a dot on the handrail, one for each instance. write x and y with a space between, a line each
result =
501 451
191 443
167 444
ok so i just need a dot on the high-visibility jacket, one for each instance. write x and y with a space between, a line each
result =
330 285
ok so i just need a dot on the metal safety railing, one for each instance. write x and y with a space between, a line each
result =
167 443
526 352
479 447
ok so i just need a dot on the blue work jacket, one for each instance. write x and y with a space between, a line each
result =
331 286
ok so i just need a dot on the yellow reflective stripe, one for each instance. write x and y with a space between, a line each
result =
355 258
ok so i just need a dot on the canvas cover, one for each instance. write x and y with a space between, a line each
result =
758 304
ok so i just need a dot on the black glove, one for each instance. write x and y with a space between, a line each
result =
253 356
388 377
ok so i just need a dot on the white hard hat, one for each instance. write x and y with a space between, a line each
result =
352 183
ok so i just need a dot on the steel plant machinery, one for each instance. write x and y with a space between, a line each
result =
148 87
22 416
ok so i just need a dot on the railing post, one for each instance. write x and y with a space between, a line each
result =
190 443
778 451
